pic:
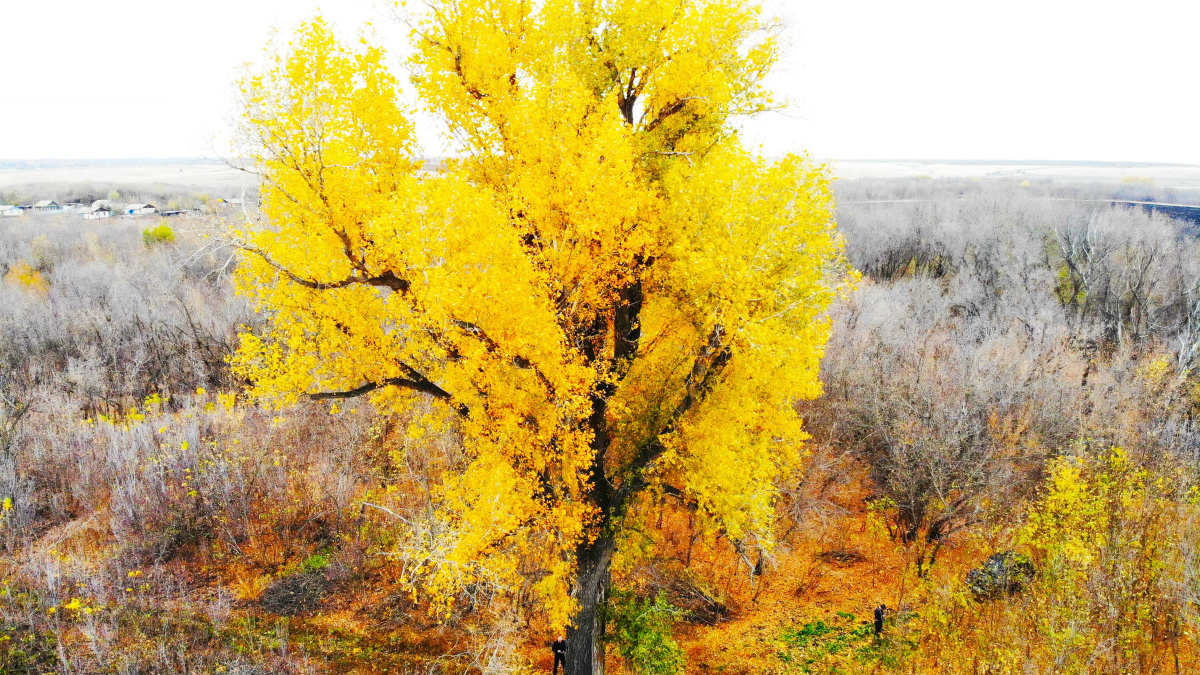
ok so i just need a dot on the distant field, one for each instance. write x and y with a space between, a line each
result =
1163 175
215 176
191 174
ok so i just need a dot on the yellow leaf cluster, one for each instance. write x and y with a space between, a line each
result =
21 274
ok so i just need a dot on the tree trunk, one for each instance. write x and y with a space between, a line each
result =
585 648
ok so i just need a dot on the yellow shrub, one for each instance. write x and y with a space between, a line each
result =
21 274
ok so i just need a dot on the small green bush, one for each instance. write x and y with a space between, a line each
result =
843 644
161 234
315 563
26 649
641 630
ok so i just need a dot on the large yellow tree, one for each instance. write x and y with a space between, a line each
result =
605 295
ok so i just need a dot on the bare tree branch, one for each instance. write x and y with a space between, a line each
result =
417 383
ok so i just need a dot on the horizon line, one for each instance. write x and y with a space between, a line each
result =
52 162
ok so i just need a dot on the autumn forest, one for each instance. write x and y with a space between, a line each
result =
604 375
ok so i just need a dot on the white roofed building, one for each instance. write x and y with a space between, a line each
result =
140 209
102 211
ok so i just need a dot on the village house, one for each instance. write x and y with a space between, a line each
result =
101 211
9 211
140 209
47 206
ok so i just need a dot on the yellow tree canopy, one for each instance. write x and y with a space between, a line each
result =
604 294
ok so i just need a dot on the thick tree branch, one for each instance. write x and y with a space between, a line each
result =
597 421
671 109
627 99
627 333
627 323
493 347
417 382
706 370
387 279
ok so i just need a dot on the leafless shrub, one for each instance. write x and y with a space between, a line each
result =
940 403
107 322
295 594
994 329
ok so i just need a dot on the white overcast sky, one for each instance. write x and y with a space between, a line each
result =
962 79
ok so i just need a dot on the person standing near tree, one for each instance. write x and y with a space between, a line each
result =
879 613
559 647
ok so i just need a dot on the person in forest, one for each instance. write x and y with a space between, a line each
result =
879 612
559 647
